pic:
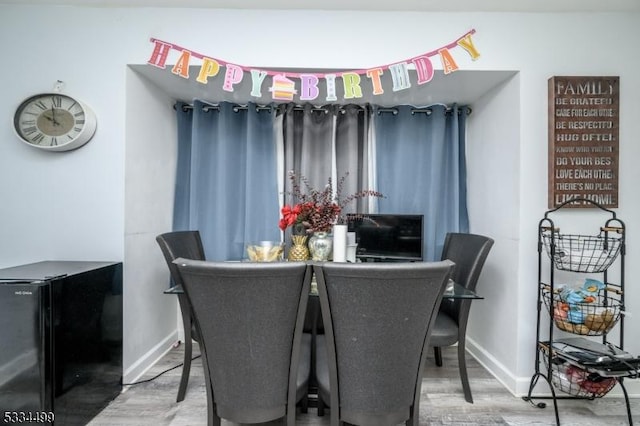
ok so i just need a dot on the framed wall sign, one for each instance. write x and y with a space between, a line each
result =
584 140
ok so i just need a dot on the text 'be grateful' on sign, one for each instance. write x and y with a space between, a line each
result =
584 140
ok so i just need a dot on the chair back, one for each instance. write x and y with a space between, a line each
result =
250 318
185 244
469 253
377 321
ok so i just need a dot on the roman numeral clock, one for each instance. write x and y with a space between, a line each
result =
54 122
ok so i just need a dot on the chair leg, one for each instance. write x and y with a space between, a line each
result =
437 353
214 420
462 365
335 419
320 407
413 419
304 404
212 417
291 416
188 347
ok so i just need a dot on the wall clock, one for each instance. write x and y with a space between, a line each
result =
54 122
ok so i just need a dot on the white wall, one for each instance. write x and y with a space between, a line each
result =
75 205
151 154
493 152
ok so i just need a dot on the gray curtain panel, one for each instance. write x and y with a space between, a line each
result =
330 141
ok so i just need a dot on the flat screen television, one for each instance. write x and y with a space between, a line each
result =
387 237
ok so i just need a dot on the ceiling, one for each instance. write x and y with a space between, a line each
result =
371 5
463 87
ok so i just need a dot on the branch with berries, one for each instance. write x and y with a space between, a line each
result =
318 210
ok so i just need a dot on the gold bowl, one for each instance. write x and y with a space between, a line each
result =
265 251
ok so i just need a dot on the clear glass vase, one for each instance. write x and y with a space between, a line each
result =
321 246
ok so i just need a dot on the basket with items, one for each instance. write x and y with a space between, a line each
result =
577 381
592 310
585 368
582 253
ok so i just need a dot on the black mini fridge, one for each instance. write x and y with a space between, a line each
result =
60 341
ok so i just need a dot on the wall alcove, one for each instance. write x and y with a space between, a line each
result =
493 152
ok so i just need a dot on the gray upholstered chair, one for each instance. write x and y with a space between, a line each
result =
186 244
377 320
469 253
250 317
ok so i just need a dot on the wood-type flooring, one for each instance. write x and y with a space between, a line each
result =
442 402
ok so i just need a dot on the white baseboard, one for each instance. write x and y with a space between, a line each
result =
138 368
519 386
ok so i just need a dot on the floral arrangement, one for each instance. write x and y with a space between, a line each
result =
318 210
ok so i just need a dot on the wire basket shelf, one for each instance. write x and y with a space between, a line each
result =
590 318
576 381
582 253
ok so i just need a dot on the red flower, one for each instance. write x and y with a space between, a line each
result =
289 216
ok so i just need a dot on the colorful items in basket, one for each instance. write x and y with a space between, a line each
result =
578 311
579 382
586 368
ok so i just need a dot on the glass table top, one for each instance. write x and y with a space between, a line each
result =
453 291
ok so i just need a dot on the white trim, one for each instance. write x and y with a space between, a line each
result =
372 177
148 360
519 386
281 174
334 156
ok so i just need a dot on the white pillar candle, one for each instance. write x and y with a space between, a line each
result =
340 243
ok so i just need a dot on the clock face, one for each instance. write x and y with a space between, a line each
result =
55 122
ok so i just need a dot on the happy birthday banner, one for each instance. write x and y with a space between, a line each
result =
285 85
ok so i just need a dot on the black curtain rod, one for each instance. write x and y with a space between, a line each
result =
325 109
238 107
425 110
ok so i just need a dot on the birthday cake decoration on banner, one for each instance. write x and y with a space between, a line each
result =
284 86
